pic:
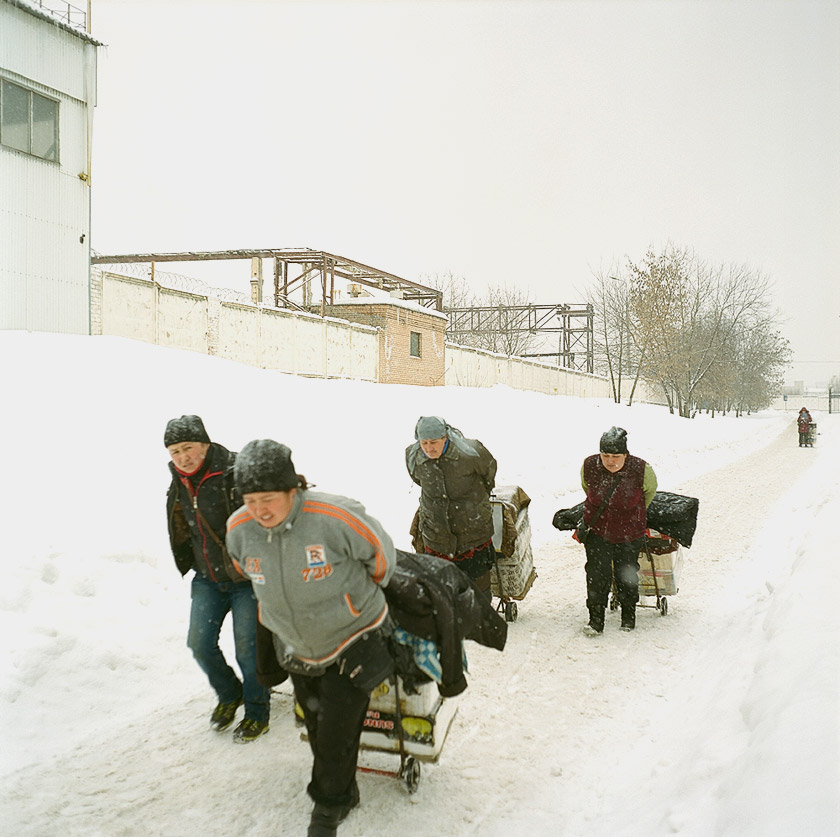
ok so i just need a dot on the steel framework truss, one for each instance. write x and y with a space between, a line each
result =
297 270
572 322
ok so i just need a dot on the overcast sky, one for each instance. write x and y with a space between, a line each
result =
529 143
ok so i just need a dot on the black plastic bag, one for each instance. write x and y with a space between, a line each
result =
672 514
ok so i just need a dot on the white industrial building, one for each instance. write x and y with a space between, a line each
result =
47 96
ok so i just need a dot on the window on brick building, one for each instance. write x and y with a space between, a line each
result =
415 344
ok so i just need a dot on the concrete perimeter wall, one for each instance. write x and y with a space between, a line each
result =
304 344
467 367
298 343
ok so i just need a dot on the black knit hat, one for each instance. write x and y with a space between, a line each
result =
185 429
264 465
614 441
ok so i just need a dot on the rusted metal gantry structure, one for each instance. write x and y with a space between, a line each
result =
572 322
298 269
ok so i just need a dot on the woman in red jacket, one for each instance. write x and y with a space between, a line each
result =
803 422
619 488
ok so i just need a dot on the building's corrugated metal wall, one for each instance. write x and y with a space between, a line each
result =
46 53
43 263
45 208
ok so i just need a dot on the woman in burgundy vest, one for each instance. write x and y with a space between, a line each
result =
619 488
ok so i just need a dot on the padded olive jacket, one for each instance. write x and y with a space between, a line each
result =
455 511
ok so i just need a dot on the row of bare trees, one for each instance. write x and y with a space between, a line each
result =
705 334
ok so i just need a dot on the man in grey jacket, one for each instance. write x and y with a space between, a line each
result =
456 476
317 563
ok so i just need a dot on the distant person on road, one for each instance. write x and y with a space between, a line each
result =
456 476
803 423
200 499
619 488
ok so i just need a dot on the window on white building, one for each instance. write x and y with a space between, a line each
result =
28 121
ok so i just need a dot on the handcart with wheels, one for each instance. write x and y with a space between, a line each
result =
660 566
812 434
413 725
661 556
513 574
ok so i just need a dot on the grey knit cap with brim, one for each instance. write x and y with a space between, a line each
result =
430 427
614 441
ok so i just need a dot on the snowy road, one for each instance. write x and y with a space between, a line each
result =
604 727
717 720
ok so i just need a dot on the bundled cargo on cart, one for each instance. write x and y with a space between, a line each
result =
514 572
672 522
660 567
435 608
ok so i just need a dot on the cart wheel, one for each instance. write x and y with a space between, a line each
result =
411 774
663 606
511 612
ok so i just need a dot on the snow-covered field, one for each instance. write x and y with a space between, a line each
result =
720 718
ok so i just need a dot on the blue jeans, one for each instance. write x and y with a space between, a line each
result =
211 602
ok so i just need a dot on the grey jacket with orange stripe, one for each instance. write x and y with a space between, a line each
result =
318 576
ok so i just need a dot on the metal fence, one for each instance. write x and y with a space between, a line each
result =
65 12
178 282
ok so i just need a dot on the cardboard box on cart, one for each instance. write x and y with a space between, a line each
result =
667 566
426 718
512 542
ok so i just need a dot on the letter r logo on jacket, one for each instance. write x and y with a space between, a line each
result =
316 556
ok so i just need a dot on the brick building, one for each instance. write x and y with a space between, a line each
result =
412 339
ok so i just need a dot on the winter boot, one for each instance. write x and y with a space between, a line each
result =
249 730
223 715
596 618
628 617
325 819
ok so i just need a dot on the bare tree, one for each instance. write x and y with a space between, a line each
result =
505 334
705 334
456 292
760 357
690 315
501 324
613 339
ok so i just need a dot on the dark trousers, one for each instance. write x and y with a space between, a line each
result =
603 560
478 566
333 712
